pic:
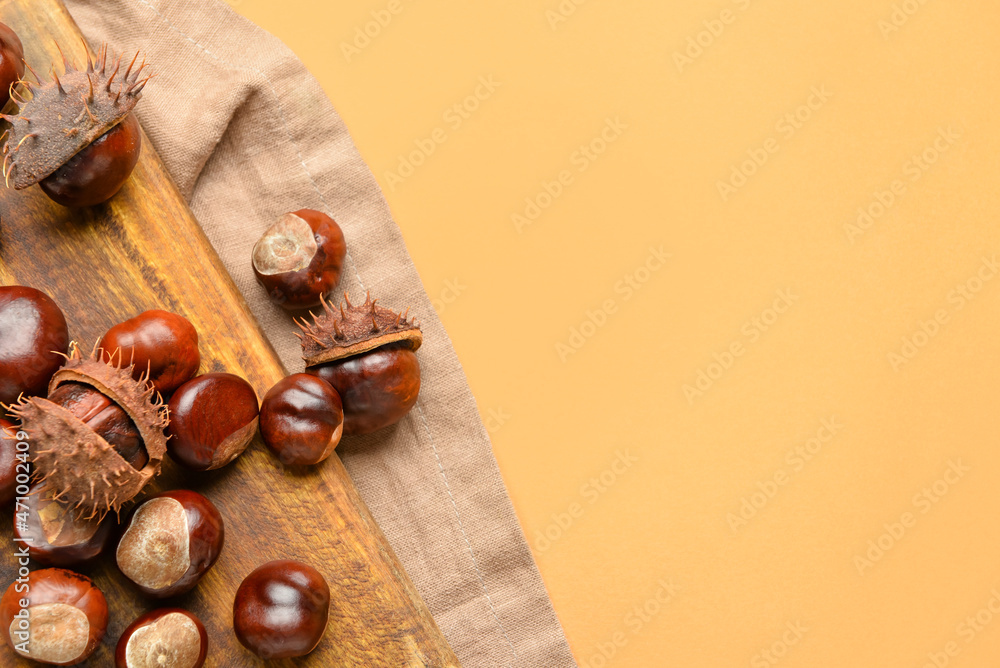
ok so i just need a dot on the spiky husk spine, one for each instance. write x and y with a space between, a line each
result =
67 114
352 330
82 470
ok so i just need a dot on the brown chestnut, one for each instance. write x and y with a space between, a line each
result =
212 420
170 542
302 420
299 259
54 616
165 638
8 462
98 172
281 610
11 62
378 388
57 536
106 418
33 333
163 343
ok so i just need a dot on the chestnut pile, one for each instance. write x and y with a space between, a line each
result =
82 434
96 427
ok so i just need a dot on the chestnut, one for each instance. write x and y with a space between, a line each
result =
170 541
368 354
98 172
56 617
165 638
299 259
11 62
106 418
33 334
212 420
281 610
8 462
301 420
58 536
164 344
378 388
76 135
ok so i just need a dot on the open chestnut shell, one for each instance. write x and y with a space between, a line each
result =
106 418
64 621
367 353
161 343
302 420
76 134
33 334
56 536
164 638
281 610
299 259
212 420
169 542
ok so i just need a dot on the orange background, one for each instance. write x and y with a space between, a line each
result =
842 374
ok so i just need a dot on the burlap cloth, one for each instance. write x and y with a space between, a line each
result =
248 134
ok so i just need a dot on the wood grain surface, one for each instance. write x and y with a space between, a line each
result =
145 250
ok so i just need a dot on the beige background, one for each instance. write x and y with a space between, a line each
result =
655 564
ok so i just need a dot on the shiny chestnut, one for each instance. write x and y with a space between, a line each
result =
281 610
9 462
33 334
165 344
57 617
98 172
56 535
302 420
165 638
170 542
300 258
106 418
378 388
11 62
212 420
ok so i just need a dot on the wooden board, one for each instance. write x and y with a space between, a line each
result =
145 250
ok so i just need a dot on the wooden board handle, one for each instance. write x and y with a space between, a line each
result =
145 250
